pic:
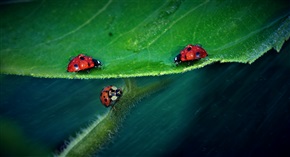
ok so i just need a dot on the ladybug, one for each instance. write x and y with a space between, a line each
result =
190 53
82 62
110 95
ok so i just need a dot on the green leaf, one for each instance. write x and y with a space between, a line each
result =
135 38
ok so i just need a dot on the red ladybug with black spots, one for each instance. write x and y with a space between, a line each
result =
110 95
82 62
190 53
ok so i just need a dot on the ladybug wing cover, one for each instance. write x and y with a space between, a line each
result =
73 65
203 53
105 100
90 62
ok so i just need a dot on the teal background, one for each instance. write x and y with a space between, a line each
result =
227 109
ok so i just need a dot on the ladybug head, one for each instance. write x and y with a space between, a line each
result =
97 63
177 59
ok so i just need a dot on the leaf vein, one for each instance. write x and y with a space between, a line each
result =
177 20
82 25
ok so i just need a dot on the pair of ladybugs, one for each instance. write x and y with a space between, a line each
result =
110 94
188 54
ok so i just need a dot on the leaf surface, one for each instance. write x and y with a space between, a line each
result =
135 38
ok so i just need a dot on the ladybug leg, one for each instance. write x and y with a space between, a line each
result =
190 63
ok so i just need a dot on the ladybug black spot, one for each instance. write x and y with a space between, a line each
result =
197 54
188 49
75 65
82 58
106 100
